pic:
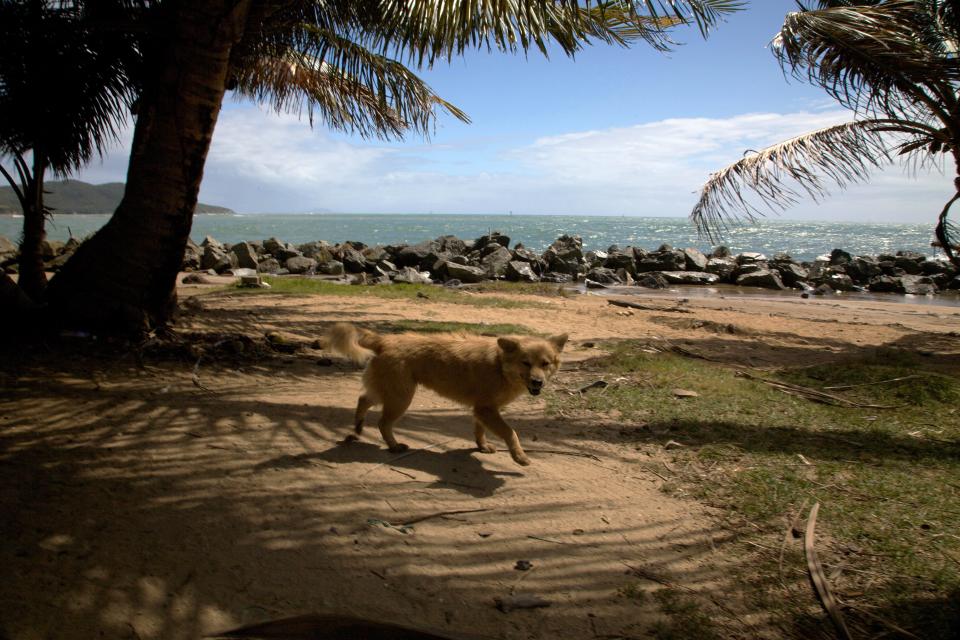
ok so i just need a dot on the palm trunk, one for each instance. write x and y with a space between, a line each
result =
32 277
123 280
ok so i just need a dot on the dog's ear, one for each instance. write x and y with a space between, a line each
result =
508 345
558 341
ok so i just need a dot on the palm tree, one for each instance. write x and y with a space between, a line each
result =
345 61
894 63
64 91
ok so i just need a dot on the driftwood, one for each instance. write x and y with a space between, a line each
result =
644 307
819 580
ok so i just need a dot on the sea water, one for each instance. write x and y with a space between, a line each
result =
802 240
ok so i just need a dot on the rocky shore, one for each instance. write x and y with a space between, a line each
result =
450 260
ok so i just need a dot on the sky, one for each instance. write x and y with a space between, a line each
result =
612 132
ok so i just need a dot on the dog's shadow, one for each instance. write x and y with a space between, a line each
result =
458 469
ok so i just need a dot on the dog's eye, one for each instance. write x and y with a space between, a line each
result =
526 364
545 363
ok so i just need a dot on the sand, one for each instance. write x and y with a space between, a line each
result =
157 499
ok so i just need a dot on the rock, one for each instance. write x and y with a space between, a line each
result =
210 241
791 273
602 275
329 268
823 290
917 285
694 259
410 275
50 249
862 269
723 267
565 255
840 282
216 258
196 278
652 280
452 245
353 261
839 257
300 264
621 260
7 247
495 260
591 284
518 271
464 272
883 284
269 265
749 257
595 258
689 277
720 252
415 255
319 251
191 256
491 238
243 272
909 264
764 278
246 255
556 277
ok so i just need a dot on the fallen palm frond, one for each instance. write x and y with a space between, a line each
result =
819 579
813 394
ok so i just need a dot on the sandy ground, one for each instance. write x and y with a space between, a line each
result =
140 501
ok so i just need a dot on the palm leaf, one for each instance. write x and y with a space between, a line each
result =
778 175
351 88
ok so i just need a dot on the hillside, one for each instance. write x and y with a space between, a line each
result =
75 196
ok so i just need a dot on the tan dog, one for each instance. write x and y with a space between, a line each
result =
479 372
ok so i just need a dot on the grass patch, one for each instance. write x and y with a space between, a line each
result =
420 292
684 618
888 480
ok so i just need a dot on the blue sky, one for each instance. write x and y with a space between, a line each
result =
613 132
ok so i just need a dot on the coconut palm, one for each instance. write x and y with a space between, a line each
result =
346 62
64 92
894 63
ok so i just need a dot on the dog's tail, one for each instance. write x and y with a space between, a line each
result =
356 344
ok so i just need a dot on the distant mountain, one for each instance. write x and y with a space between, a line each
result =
74 196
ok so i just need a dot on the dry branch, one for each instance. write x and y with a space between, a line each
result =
819 580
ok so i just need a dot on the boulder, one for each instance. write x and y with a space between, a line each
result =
413 255
721 252
319 250
839 257
695 260
191 256
7 246
495 260
791 273
663 260
452 245
883 284
330 268
410 275
268 265
603 275
917 285
723 267
764 278
300 264
214 257
840 282
863 268
565 255
210 241
520 271
491 238
556 277
750 257
595 258
652 280
689 277
50 249
353 261
246 255
909 264
464 272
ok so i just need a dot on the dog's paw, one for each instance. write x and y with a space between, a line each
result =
522 460
399 448
349 438
487 448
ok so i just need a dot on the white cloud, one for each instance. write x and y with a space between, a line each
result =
263 162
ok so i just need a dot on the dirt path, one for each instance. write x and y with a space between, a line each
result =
141 502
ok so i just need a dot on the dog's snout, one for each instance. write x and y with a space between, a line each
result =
536 382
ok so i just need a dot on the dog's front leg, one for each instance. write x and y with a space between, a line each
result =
491 419
481 437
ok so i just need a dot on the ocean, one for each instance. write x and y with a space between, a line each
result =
803 240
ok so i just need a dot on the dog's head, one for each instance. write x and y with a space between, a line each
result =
531 360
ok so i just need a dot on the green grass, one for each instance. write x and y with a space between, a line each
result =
888 480
421 292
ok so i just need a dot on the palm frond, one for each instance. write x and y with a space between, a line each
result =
879 55
350 88
778 175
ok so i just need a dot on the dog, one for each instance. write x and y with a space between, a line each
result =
479 372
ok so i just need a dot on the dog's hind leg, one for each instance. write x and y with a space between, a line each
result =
394 406
363 405
491 419
481 437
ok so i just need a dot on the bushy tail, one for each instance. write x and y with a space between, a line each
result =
356 344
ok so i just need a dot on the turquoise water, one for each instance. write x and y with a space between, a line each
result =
804 240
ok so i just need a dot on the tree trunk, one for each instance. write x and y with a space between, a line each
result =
32 278
123 280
